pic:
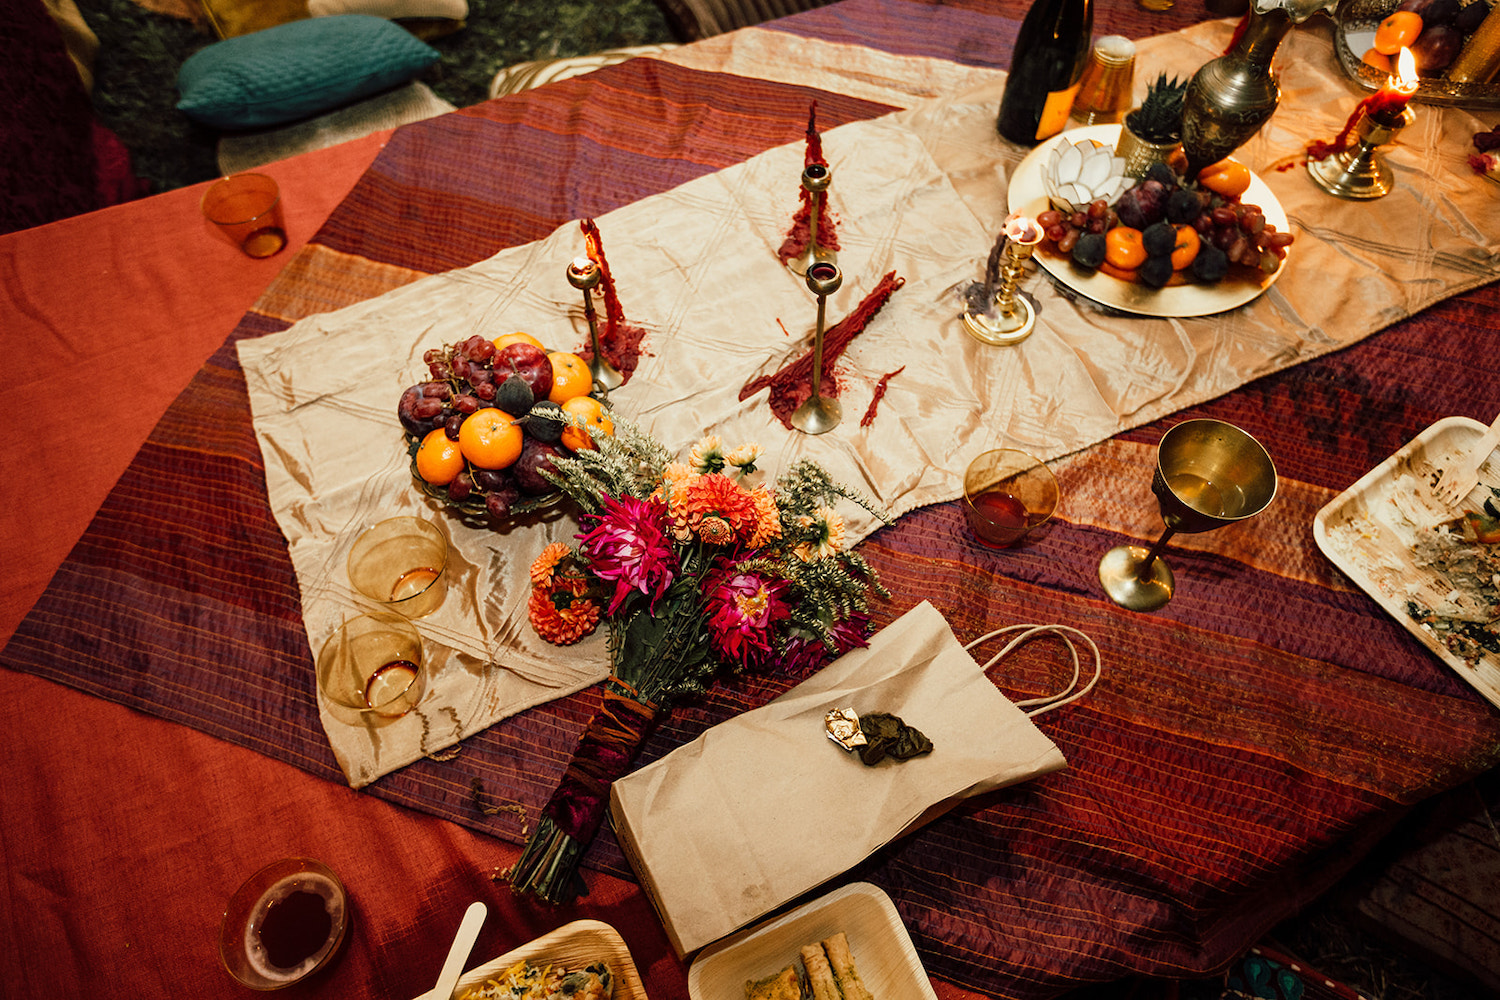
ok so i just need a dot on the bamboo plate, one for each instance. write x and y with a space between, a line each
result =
883 953
1368 531
572 945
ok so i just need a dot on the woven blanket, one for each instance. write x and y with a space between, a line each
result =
1251 740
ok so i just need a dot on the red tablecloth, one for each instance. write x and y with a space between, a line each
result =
1251 741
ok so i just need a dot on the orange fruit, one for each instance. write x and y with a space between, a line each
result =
490 439
439 460
1397 32
1123 248
1186 249
570 377
590 412
505 339
1379 60
1229 178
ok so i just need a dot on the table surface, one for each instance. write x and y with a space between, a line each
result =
1252 741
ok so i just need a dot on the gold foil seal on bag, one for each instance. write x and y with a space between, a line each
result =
842 725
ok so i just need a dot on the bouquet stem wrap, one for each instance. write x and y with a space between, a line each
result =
572 816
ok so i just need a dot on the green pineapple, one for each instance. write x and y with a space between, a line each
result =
1159 118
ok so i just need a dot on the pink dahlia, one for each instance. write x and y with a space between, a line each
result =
805 651
743 609
627 546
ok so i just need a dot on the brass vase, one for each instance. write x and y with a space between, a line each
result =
1231 97
1139 154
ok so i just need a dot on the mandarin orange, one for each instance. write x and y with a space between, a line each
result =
439 459
491 439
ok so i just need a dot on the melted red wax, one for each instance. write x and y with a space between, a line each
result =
880 387
618 340
796 239
792 385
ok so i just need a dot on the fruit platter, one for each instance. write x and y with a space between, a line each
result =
1436 31
493 415
1164 246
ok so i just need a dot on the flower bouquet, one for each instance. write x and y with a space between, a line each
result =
694 570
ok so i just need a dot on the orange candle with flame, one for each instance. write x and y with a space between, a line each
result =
1389 102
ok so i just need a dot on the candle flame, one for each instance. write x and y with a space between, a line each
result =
1023 229
1406 72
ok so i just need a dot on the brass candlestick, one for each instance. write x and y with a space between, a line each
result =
584 275
1013 317
1358 173
820 413
816 179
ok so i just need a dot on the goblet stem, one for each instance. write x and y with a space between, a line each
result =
1145 573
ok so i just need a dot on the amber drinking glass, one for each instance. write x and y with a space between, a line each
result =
370 671
246 209
402 565
1007 494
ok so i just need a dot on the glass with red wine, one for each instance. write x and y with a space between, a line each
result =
1007 494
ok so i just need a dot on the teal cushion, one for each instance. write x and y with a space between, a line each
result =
297 70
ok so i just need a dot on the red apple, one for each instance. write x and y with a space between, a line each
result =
528 361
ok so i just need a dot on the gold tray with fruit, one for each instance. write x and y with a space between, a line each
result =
1182 297
484 428
1443 29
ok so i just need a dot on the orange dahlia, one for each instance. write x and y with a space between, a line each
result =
561 618
716 495
546 563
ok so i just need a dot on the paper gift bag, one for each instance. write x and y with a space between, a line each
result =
763 807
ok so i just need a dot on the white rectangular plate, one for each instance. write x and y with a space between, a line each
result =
883 953
1368 530
571 945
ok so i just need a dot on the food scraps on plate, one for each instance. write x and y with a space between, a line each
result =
526 981
824 971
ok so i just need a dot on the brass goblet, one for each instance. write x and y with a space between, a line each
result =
1208 474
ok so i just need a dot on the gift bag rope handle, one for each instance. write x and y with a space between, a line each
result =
1037 706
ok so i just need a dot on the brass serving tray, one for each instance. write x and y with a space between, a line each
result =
1357 20
1028 194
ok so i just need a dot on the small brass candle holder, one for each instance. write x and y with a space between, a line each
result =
820 413
584 275
816 179
1014 316
1358 173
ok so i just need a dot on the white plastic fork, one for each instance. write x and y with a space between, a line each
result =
1459 479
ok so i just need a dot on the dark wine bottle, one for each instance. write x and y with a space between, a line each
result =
1050 55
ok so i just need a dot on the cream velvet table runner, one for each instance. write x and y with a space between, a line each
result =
920 192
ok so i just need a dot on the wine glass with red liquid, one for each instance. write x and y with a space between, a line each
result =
1208 474
1007 493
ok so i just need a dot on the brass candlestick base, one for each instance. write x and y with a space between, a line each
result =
816 179
1358 173
1014 317
584 274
